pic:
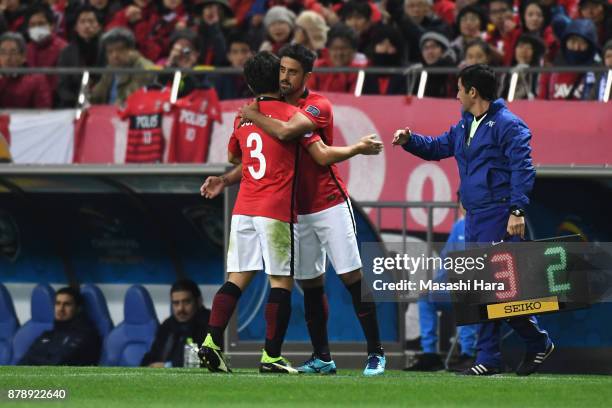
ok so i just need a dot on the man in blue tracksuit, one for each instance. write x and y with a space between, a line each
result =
491 146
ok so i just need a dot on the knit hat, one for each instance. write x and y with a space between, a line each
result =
279 13
316 28
223 3
437 37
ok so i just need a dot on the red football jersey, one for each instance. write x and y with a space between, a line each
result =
321 187
144 109
269 174
193 122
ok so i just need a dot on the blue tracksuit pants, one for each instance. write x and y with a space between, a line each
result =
486 226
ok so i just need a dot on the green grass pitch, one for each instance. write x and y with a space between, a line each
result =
132 387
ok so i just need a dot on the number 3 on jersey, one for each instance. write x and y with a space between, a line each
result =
255 139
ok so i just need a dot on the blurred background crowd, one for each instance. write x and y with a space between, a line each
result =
357 33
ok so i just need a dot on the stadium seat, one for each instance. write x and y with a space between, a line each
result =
8 325
42 305
131 339
97 309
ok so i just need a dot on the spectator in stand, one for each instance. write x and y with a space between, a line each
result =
419 18
16 90
311 31
578 49
600 13
3 25
105 9
234 86
504 29
528 52
73 340
189 319
279 23
14 13
341 52
471 24
45 46
436 52
535 20
607 59
140 17
83 51
479 51
214 14
387 51
120 50
357 15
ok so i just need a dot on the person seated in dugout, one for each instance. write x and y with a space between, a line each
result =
73 340
189 319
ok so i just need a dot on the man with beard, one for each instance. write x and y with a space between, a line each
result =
73 340
189 320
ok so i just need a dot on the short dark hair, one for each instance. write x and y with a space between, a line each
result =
261 72
40 9
16 38
301 54
74 293
188 35
472 10
344 32
186 285
360 8
480 77
87 8
508 3
238 37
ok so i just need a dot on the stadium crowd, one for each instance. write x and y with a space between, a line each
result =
357 33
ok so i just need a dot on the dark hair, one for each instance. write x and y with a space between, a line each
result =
261 72
237 37
188 35
74 293
86 8
479 42
186 285
473 10
360 8
344 32
546 14
301 54
480 77
538 46
40 9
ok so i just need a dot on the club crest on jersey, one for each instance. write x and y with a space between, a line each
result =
313 110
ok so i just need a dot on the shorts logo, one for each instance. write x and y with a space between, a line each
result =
313 110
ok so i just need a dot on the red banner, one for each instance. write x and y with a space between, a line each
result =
563 133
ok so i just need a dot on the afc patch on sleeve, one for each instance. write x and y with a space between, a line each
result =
313 110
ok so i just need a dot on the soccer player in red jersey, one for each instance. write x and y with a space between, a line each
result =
262 225
323 201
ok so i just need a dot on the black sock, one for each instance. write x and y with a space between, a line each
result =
315 313
365 309
278 312
223 307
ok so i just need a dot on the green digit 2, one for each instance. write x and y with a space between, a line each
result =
553 286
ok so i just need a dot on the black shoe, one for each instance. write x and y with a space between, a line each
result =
426 362
533 361
462 363
480 369
212 357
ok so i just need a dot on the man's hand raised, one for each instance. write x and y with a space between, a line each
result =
401 136
369 145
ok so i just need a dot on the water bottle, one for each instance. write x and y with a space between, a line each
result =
190 354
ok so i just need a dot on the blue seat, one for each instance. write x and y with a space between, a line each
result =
97 309
43 300
8 325
131 339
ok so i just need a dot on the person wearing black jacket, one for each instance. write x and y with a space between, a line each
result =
73 340
83 51
189 319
